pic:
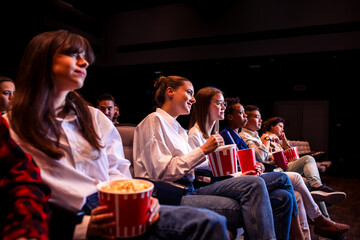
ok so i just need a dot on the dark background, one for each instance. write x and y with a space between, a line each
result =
325 71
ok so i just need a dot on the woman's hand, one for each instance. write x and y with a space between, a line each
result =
100 220
283 136
212 143
154 211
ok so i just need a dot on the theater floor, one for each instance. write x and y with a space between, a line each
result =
347 211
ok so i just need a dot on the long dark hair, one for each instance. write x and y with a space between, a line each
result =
32 116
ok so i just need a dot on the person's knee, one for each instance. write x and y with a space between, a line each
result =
281 199
298 198
211 218
309 159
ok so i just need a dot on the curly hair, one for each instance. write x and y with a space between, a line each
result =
270 123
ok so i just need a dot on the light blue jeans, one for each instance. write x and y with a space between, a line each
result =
243 200
306 165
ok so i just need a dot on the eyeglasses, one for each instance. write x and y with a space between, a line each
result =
219 103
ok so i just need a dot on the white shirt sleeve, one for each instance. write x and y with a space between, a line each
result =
196 139
118 165
161 152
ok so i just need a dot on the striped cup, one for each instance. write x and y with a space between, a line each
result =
131 209
223 160
291 154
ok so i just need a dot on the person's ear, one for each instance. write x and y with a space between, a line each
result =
170 92
229 117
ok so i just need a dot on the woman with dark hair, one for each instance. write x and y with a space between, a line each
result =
162 151
7 91
209 109
76 146
305 165
235 119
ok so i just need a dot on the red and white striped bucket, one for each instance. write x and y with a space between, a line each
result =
291 154
131 210
223 160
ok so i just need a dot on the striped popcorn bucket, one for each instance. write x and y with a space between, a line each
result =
223 160
131 210
280 159
291 154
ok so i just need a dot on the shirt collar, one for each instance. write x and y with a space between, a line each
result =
71 116
168 118
171 121
251 133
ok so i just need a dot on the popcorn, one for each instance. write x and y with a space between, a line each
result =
126 186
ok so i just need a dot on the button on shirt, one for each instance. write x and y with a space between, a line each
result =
162 151
74 177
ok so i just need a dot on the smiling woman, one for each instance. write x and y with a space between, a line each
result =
162 151
76 146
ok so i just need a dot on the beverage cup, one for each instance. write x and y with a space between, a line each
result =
131 206
223 160
280 159
291 154
247 159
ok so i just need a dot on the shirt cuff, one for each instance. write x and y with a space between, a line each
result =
197 156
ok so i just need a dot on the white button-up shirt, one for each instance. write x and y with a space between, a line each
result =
74 177
162 151
197 139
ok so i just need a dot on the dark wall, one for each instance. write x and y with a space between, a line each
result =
270 66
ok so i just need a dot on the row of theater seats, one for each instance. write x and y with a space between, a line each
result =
167 192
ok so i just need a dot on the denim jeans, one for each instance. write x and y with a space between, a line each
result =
243 200
306 166
178 222
283 202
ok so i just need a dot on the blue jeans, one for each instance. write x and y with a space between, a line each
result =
235 197
283 202
245 202
178 222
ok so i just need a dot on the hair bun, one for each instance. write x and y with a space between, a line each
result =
159 81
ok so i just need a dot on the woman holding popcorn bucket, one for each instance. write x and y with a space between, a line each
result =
77 147
162 151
